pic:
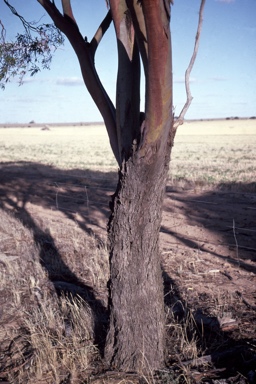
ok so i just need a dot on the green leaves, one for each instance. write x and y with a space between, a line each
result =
29 52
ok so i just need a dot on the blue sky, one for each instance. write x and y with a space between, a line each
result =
223 81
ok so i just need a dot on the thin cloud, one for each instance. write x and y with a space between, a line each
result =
181 80
240 103
69 81
226 1
29 80
35 79
218 78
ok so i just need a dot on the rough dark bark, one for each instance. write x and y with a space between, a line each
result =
136 335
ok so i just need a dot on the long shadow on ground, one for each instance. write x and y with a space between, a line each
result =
23 185
227 213
83 197
210 243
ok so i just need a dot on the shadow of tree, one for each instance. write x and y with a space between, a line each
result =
210 245
220 222
83 196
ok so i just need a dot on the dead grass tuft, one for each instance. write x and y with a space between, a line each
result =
44 337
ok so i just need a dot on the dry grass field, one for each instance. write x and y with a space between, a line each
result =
54 191
205 152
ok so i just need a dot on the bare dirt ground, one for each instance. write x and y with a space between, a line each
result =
208 246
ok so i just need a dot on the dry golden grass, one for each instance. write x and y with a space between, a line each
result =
205 152
218 152
63 147
44 337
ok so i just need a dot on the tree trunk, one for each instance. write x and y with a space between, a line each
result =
136 336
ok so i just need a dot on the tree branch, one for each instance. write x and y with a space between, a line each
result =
158 119
3 33
89 73
128 79
140 29
67 9
182 114
100 32
28 26
29 51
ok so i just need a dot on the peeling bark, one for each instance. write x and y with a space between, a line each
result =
136 336
67 10
128 81
135 340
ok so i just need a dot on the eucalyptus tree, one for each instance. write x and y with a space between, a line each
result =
141 142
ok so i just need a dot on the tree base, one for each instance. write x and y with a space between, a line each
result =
136 337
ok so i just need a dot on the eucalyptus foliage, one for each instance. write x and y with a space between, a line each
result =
29 51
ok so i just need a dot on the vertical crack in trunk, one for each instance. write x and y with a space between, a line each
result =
135 340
